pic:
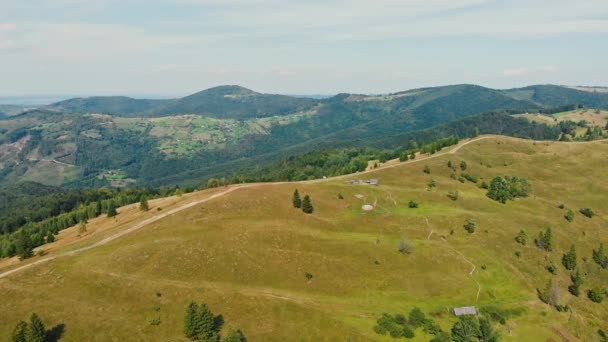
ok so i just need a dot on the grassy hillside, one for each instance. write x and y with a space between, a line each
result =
246 254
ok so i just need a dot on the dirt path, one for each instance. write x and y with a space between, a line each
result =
128 230
52 161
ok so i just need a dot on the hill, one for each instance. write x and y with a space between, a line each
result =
246 252
235 102
229 127
117 105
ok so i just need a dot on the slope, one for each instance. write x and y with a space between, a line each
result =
246 254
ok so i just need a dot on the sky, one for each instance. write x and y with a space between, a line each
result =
162 47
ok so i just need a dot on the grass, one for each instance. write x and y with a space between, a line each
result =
246 255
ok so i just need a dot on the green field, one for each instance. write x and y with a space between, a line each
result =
246 254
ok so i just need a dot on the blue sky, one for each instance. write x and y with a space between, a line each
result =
105 47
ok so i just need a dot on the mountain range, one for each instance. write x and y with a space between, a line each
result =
120 141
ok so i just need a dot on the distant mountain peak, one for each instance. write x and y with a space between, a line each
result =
226 90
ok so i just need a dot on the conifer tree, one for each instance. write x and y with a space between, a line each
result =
98 209
307 205
37 332
205 323
191 320
545 240
569 259
143 204
50 237
112 209
20 334
297 202
600 257
577 281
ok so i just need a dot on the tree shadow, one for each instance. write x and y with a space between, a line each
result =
218 323
55 333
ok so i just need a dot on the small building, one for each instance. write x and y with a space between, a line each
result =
465 310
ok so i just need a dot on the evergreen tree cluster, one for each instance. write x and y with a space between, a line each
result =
545 240
201 325
32 332
399 325
577 280
304 204
507 188
569 259
32 234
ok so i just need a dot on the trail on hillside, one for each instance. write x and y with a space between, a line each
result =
128 230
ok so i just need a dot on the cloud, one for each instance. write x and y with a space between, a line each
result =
7 27
550 68
515 72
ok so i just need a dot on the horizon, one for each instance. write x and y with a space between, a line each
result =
285 47
46 99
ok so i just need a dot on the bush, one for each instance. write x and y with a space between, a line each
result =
596 295
521 238
588 212
426 169
569 216
413 204
470 226
453 195
469 177
405 246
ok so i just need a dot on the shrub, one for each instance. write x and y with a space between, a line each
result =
569 216
470 226
463 165
545 240
470 178
596 295
426 169
405 246
521 238
413 204
453 195
340 196
588 212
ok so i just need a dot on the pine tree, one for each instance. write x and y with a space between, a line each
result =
413 156
112 209
450 164
98 209
307 205
600 257
20 334
297 202
486 332
569 259
205 323
466 329
191 320
37 332
577 281
143 204
50 237
24 246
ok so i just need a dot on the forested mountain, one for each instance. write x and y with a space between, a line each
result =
234 102
117 105
121 141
